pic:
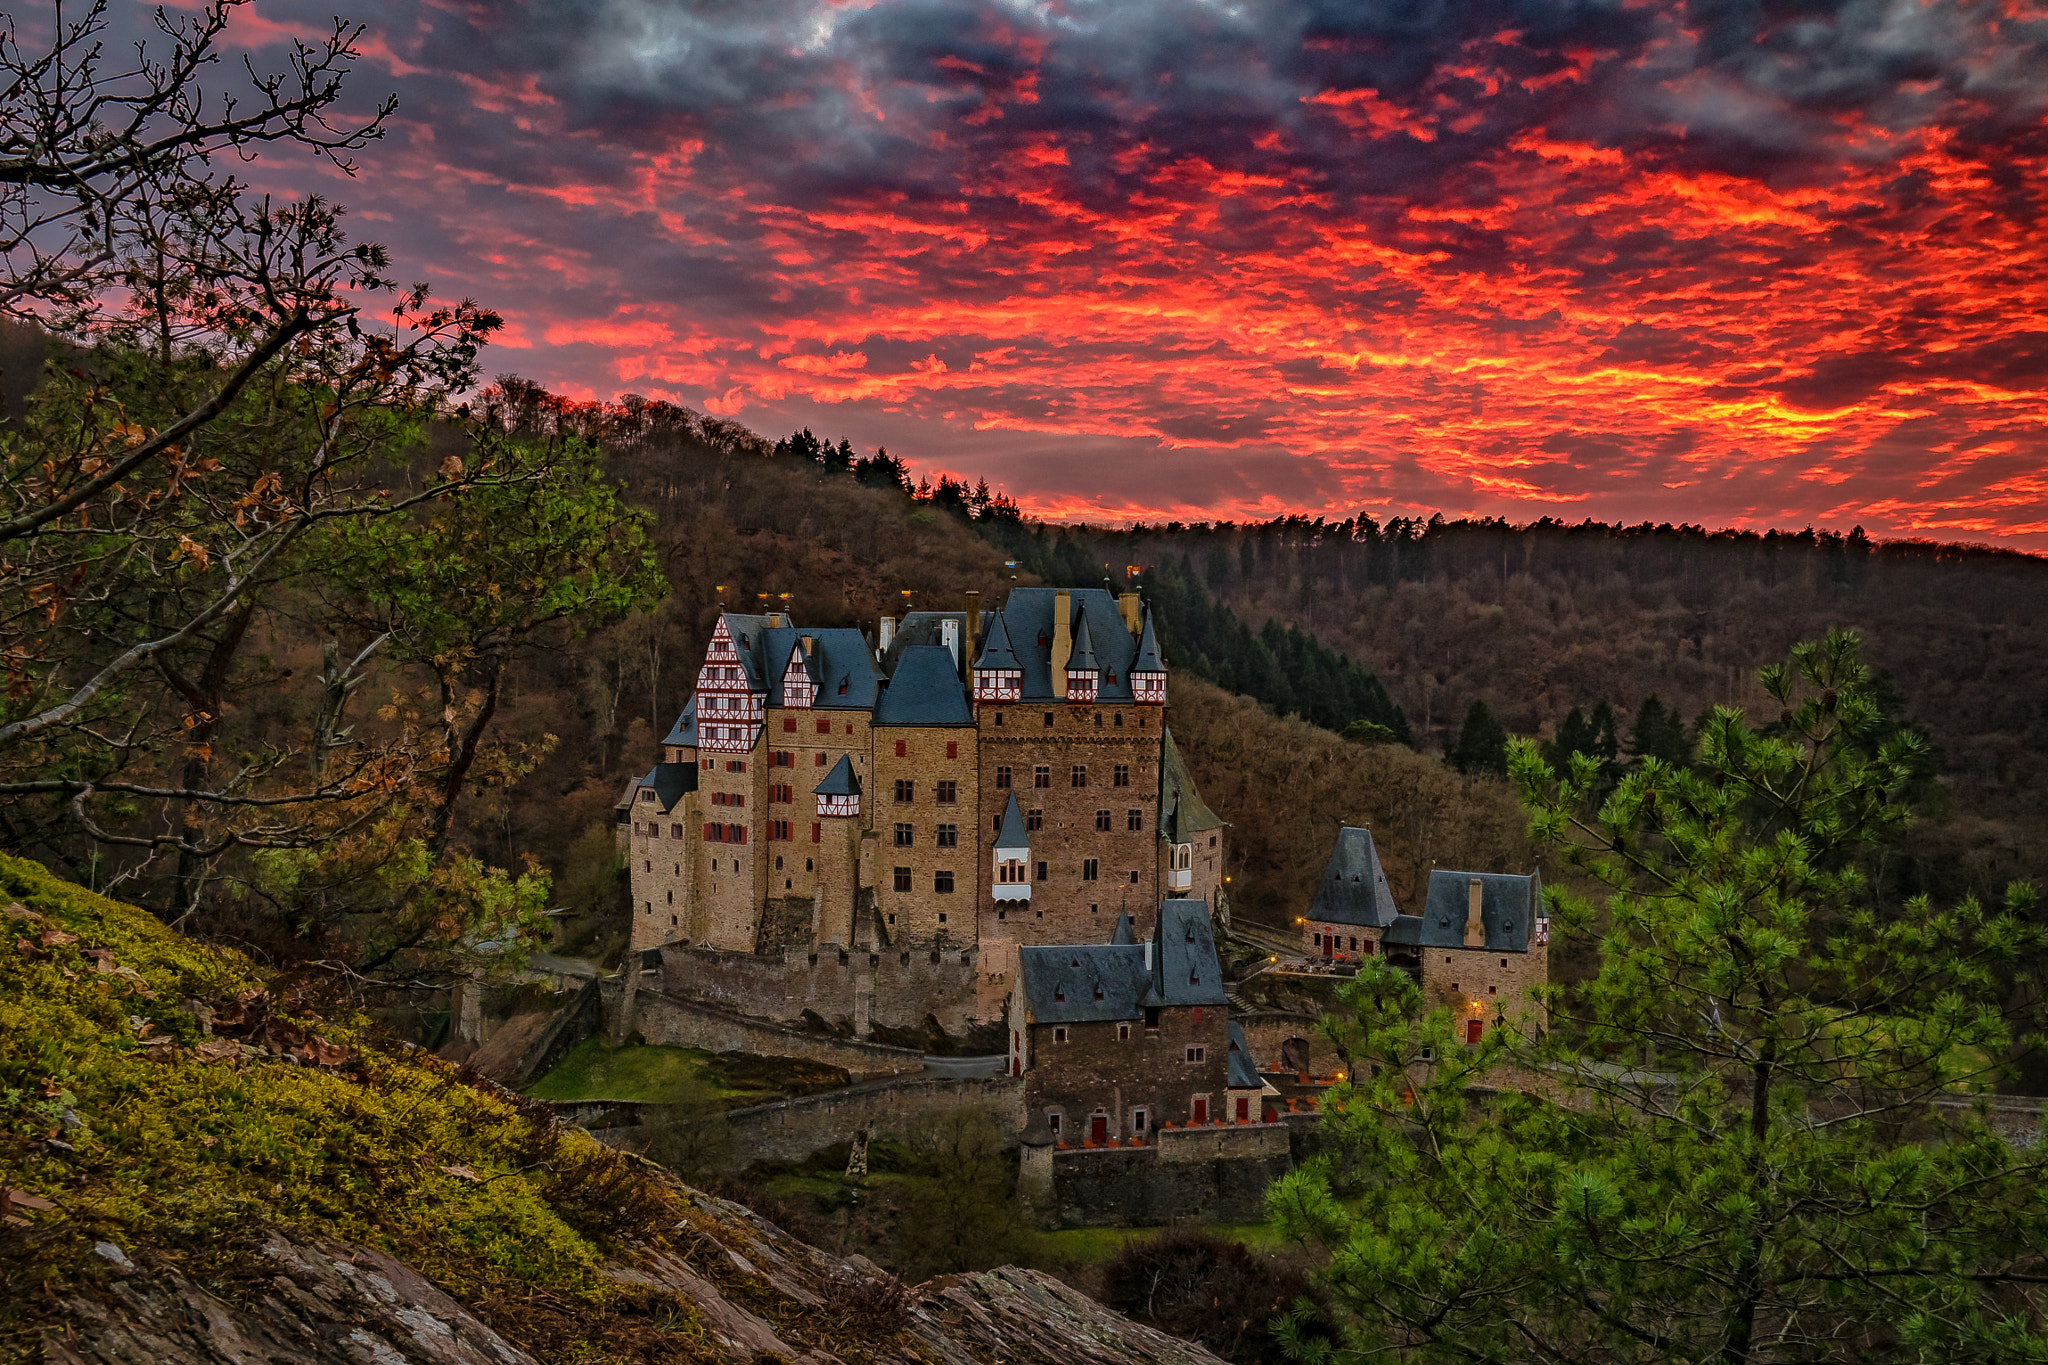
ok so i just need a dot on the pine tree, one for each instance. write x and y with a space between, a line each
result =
1658 733
1482 745
1746 1145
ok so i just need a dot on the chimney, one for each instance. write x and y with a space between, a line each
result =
1134 613
949 636
1148 954
973 631
888 634
1475 927
1062 639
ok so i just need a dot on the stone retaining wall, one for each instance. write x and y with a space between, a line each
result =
893 988
662 1018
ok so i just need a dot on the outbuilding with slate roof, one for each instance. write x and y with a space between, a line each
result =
1115 1040
1352 907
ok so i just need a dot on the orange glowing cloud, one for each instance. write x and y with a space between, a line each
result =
1173 261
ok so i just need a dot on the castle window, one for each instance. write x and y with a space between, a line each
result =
1088 869
818 760
1123 1035
1098 989
1041 877
1059 1035
1134 820
1098 720
842 687
1319 940
808 867
736 765
901 881
646 796
1122 776
942 882
1102 821
675 831
906 791
903 836
952 748
1080 774
1002 779
778 857
942 914
789 725
1197 1053
999 718
1041 776
948 792
949 837
902 748
1212 841
1048 720
1119 715
1151 1016
1034 819
1139 1120
1503 962
1493 990
824 725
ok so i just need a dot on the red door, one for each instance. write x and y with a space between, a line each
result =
1098 1128
1244 1110
1472 1028
1202 1110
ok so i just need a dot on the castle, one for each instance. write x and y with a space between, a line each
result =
870 828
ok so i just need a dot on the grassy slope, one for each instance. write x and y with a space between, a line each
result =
189 1158
651 1073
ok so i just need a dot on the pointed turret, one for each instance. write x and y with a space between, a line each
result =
1084 674
998 672
1126 933
1148 670
1012 880
839 793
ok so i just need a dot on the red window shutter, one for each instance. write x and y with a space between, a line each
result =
902 748
817 832
952 748
709 838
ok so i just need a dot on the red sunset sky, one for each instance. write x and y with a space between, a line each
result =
1752 263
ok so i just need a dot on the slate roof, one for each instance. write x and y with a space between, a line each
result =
1148 659
1082 660
924 690
1059 983
1182 813
1185 969
671 782
840 781
1405 931
748 633
923 628
1011 834
996 651
1026 617
838 654
1508 904
684 731
1242 1075
1353 889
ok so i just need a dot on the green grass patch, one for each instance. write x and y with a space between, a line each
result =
653 1073
646 1073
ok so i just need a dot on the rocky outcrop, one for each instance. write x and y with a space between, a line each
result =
757 1292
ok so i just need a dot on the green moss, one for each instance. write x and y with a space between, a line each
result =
158 1147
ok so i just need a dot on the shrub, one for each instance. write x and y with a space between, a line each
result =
1212 1291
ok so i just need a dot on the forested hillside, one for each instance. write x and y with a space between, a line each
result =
1535 621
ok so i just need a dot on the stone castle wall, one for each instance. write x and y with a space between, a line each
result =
895 989
1196 1175
663 1019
